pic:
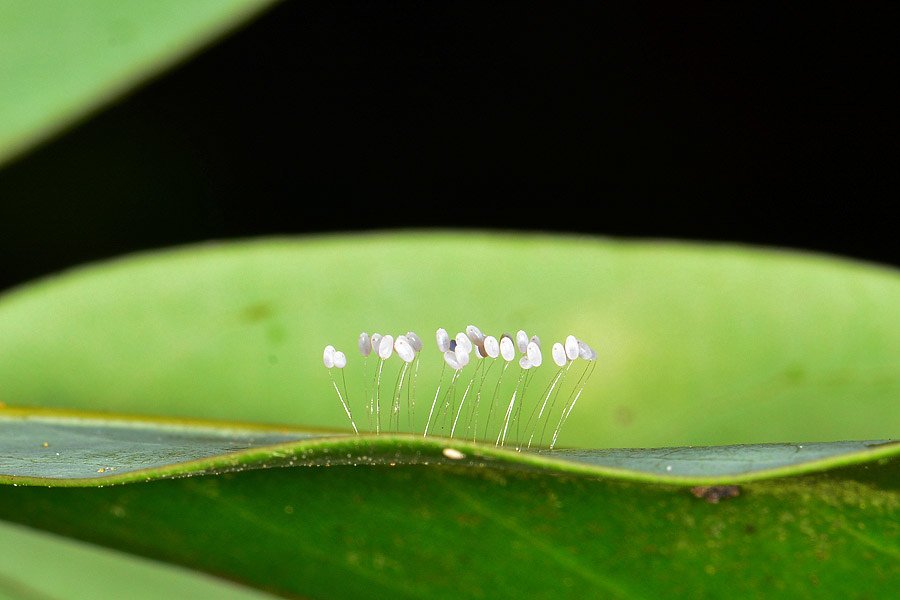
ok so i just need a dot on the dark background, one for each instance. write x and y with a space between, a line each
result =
756 125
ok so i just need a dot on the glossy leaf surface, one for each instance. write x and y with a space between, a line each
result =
410 521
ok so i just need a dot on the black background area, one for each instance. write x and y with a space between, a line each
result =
758 125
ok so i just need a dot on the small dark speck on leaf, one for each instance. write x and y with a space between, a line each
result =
714 493
887 443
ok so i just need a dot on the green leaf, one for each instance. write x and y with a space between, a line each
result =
63 60
698 345
415 522
47 567
71 449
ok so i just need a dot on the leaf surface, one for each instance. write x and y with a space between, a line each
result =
40 566
298 519
698 345
62 60
667 482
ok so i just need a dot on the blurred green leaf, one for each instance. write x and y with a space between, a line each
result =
60 60
39 566
698 344
413 521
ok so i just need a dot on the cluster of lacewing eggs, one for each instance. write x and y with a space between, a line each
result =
456 353
457 350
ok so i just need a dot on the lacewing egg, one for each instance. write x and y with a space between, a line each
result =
328 356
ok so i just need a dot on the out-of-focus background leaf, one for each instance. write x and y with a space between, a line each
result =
42 566
60 60
697 344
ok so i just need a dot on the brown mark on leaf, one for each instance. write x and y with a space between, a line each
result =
714 493
624 416
254 313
